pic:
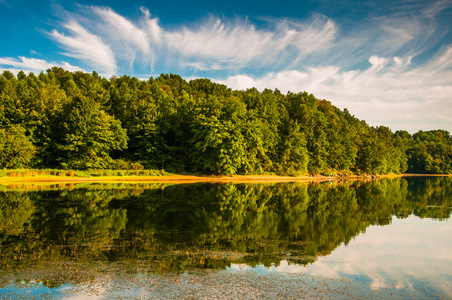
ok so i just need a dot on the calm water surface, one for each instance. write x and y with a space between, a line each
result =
384 239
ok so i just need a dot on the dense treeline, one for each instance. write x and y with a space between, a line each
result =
77 120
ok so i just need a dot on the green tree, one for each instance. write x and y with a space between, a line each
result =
294 158
87 135
218 145
261 129
431 152
16 149
370 154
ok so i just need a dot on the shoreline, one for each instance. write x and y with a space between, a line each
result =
179 179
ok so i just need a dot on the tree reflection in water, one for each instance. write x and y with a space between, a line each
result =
70 235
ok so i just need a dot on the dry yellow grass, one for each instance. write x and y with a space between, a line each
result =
170 178
188 178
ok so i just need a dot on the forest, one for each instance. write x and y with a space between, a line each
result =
77 120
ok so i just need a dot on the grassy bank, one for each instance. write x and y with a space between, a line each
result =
54 175
6 173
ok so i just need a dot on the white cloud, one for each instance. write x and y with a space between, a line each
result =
32 65
211 44
152 28
377 62
241 44
316 37
443 61
26 63
234 44
124 37
383 94
216 39
87 47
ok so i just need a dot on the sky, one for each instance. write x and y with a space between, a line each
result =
388 62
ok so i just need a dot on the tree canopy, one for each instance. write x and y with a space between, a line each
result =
77 120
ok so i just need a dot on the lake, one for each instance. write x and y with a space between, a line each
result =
389 238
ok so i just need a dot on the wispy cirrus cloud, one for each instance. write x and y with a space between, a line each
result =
87 47
211 44
220 43
405 29
238 43
123 36
105 40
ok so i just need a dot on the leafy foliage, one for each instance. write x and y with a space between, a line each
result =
79 120
16 149
86 135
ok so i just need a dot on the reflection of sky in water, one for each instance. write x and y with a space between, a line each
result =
408 253
410 258
33 290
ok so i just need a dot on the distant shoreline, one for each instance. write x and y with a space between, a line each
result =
201 178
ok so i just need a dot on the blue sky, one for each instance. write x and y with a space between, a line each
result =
388 62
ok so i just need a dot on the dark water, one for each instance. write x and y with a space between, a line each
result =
384 239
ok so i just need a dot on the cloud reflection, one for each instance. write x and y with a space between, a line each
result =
403 255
